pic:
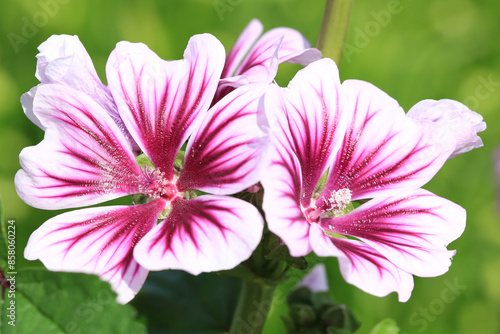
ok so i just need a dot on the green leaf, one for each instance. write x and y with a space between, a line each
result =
386 326
177 302
52 303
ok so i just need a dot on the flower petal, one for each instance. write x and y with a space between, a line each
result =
27 104
261 64
243 44
162 102
97 241
64 60
84 158
309 120
207 233
316 279
411 231
363 266
384 152
287 45
226 153
261 69
295 48
282 184
452 118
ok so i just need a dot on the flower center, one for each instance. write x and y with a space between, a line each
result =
155 185
338 204
339 200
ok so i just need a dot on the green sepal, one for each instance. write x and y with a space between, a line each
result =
302 314
301 295
339 316
282 253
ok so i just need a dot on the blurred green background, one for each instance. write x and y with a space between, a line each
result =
423 49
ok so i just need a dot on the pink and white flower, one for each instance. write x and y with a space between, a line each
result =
255 58
338 145
85 159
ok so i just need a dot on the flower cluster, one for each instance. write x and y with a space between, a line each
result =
341 164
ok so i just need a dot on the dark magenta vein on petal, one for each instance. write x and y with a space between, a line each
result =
312 149
184 219
372 224
355 253
163 140
118 225
208 167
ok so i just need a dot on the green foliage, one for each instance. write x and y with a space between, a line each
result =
52 303
177 302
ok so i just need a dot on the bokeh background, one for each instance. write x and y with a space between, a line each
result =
421 49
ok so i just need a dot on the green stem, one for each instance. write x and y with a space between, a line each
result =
253 306
334 28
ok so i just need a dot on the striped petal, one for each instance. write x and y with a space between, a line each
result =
282 44
84 158
295 48
243 44
412 231
207 233
264 54
262 69
162 102
226 154
282 184
309 120
97 241
363 266
384 152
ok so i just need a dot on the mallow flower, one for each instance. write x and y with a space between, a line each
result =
344 180
448 117
181 217
255 57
